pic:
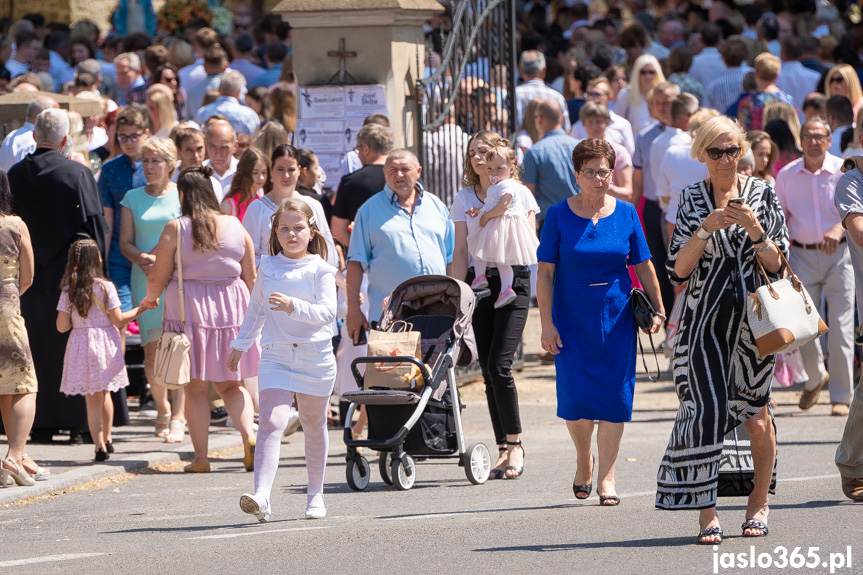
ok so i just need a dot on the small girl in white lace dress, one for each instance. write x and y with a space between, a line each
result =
93 365
500 234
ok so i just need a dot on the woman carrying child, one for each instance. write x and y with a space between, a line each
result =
94 364
293 305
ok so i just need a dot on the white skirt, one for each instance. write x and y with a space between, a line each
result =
507 239
308 368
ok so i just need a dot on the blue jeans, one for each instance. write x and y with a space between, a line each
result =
121 276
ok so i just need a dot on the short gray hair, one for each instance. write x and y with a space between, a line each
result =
52 125
232 82
816 120
134 60
89 66
531 63
378 138
37 105
403 153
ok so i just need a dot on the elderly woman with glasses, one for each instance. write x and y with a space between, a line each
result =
583 291
726 226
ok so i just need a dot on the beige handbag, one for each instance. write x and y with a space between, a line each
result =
400 341
173 364
782 315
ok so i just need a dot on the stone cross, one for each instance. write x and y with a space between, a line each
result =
343 55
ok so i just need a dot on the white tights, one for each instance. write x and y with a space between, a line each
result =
275 409
505 271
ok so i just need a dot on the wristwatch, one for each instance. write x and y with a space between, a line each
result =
762 239
702 233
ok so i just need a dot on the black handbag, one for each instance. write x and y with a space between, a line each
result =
643 312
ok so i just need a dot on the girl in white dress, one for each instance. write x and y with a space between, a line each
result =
292 308
500 235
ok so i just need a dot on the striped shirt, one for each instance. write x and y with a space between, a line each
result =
536 88
725 89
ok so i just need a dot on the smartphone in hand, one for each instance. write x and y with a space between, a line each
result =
362 338
736 201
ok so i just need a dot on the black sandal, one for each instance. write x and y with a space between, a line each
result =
709 532
582 491
609 500
517 471
498 473
754 524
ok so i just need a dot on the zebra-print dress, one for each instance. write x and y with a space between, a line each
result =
719 377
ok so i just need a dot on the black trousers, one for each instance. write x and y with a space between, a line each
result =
653 223
498 333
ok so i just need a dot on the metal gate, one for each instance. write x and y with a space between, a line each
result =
472 88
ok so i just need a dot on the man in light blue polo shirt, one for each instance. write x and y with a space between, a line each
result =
548 171
399 233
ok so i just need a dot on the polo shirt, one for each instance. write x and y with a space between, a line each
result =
394 245
548 167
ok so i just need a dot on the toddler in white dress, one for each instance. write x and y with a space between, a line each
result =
500 234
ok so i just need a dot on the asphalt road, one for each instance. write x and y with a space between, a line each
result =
164 521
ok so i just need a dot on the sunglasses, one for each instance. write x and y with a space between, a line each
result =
717 153
837 80
648 72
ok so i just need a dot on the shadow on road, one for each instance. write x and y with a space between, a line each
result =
661 542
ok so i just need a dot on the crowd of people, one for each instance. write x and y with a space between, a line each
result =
666 146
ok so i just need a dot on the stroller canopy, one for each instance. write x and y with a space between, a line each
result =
440 296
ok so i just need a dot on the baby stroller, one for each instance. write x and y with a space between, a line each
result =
425 424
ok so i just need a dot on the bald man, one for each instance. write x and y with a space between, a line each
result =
19 143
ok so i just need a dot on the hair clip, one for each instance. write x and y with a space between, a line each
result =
312 221
74 268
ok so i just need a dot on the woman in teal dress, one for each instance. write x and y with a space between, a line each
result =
145 212
583 292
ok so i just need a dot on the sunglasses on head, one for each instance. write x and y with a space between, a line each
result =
717 153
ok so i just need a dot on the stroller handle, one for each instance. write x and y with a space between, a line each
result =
482 293
427 378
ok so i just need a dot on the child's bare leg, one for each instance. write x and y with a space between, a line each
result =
107 417
95 403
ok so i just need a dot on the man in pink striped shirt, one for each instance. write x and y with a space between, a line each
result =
820 258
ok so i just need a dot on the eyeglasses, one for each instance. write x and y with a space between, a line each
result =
837 80
814 137
129 138
590 173
648 72
596 94
717 153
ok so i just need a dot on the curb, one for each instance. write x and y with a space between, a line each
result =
84 474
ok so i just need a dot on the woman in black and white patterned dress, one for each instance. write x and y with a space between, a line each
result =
720 378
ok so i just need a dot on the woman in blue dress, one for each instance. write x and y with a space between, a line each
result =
583 289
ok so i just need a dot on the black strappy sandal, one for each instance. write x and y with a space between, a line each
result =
709 532
609 500
754 524
498 473
517 471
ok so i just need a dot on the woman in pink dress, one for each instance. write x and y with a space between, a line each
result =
218 274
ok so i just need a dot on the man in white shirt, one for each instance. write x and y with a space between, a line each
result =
26 48
20 142
682 107
795 79
840 117
708 64
221 142
619 130
819 255
531 67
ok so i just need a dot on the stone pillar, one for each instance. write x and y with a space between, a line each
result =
387 36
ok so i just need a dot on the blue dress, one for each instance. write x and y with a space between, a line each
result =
591 309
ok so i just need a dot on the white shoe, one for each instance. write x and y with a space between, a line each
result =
316 509
254 506
293 423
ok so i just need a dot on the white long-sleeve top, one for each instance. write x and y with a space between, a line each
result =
311 283
259 219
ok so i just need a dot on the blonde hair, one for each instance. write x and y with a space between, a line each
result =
317 244
698 119
471 178
788 114
767 66
164 148
161 96
635 95
503 151
528 122
855 92
713 129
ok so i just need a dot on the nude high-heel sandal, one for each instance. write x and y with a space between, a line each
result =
17 475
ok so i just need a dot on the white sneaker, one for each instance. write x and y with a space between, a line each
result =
315 508
254 506
293 423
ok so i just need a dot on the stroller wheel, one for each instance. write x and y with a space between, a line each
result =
358 473
477 463
384 464
403 478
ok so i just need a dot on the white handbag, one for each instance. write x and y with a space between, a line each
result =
781 314
173 365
